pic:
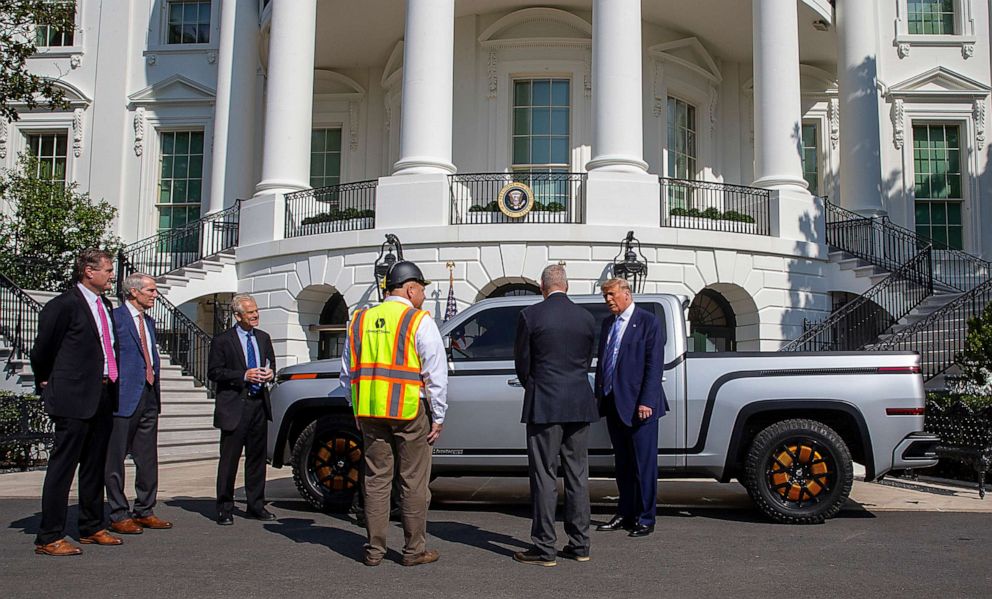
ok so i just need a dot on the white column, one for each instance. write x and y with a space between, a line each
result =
289 97
860 139
428 85
777 111
233 155
618 143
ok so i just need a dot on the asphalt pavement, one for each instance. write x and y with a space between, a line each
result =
709 542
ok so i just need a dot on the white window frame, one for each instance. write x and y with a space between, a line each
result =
963 36
511 85
666 151
77 39
40 124
204 182
344 150
159 43
821 151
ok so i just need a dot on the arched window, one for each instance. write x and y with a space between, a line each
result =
333 328
712 326
515 289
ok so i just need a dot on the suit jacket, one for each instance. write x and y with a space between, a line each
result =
226 367
132 361
639 369
68 355
552 355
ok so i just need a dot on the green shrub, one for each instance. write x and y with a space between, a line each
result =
336 215
976 359
712 213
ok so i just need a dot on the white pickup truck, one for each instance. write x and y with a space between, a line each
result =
787 426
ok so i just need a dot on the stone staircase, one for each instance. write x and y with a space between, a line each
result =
185 425
15 373
216 273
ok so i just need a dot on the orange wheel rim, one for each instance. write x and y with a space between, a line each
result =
800 472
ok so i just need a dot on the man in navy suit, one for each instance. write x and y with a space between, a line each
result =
628 386
136 419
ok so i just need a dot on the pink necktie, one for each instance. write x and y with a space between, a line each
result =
108 348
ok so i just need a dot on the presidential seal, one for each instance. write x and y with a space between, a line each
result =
515 200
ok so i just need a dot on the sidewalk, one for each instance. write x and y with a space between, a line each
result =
197 479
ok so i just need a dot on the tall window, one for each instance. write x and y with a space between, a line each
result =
47 35
930 17
325 157
681 149
811 159
189 21
541 124
180 186
937 167
50 150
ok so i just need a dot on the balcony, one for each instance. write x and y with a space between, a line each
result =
343 207
558 197
688 204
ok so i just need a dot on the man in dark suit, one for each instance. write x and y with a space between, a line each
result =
552 355
75 366
241 362
628 386
136 419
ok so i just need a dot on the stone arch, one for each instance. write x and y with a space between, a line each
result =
743 311
323 315
518 27
502 282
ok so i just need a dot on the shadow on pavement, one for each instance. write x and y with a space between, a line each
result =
29 525
468 534
197 505
305 530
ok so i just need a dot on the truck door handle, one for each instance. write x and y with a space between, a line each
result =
664 379
514 382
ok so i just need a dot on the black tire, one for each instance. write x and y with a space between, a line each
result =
799 472
327 458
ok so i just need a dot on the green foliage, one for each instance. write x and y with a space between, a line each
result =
538 206
712 213
946 400
336 215
17 44
976 359
49 224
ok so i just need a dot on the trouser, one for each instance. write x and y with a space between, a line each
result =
545 444
635 450
81 443
249 436
136 434
405 441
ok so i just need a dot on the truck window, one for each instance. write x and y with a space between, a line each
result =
488 335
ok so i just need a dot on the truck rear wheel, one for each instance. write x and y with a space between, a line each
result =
327 458
799 472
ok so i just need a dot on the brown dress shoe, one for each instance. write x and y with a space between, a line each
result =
126 526
154 522
101 537
370 560
427 557
58 548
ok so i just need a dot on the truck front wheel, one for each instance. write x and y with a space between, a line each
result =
799 472
327 457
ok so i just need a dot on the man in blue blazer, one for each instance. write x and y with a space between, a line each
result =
136 419
628 387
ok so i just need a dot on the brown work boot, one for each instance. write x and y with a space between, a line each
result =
127 526
58 548
154 522
427 557
101 537
371 560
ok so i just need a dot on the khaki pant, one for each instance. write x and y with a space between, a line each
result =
406 441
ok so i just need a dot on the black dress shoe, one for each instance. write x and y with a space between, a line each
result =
617 523
641 530
225 519
264 515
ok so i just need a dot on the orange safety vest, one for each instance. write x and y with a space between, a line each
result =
384 365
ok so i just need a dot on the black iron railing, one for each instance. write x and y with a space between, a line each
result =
18 318
860 321
176 248
26 431
941 335
880 242
344 207
558 197
186 344
688 204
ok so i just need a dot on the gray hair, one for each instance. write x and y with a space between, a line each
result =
553 278
134 281
239 299
617 282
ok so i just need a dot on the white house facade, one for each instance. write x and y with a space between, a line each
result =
723 133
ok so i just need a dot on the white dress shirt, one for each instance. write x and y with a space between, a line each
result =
624 318
136 321
92 301
433 364
243 338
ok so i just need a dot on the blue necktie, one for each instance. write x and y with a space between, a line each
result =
612 347
253 388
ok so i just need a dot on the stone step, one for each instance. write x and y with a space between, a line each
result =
171 420
177 437
184 383
188 453
191 272
866 270
187 408
849 263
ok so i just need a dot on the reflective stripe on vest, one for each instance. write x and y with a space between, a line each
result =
384 365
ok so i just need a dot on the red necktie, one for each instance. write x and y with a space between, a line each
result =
149 371
108 347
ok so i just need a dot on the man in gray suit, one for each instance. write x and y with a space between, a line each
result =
552 355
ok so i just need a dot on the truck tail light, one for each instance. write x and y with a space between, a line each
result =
302 375
905 411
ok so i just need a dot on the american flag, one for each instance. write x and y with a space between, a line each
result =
452 308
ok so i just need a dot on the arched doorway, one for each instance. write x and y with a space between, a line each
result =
712 324
510 289
332 328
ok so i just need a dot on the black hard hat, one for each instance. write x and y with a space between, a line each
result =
403 271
